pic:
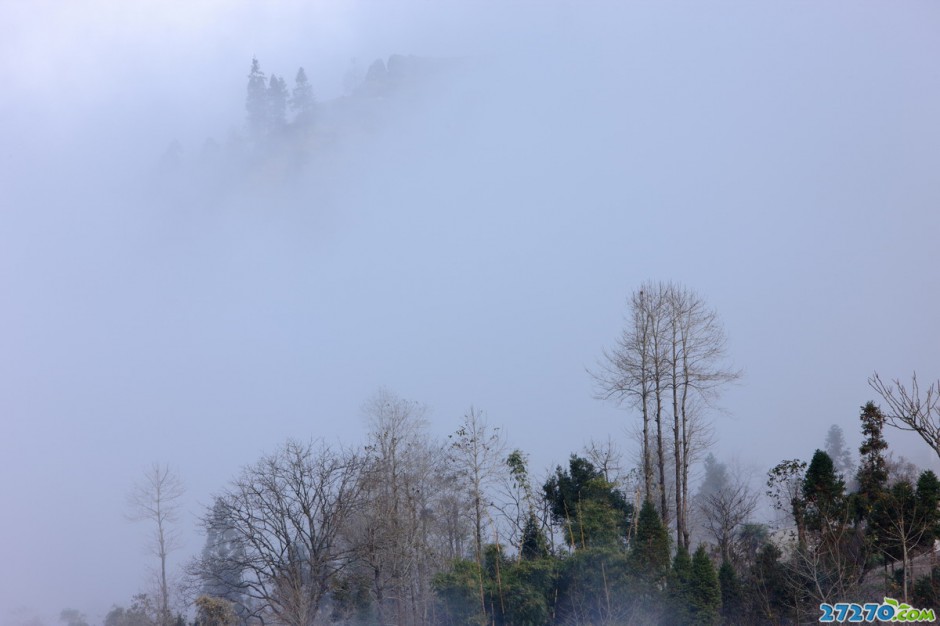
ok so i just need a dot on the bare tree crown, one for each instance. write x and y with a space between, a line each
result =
908 408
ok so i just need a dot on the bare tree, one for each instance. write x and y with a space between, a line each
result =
288 512
670 355
910 410
477 452
725 507
630 373
608 458
830 566
412 511
155 498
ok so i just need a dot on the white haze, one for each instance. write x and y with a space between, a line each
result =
475 248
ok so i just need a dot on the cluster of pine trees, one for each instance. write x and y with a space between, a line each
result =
268 101
874 537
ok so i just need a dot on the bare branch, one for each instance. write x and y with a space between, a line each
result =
911 411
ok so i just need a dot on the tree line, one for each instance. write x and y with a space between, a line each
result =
284 125
410 529
267 103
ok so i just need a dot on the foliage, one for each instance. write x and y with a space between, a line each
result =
142 612
513 592
767 591
927 589
598 586
214 612
351 600
823 493
928 496
592 511
458 591
785 490
534 545
649 552
680 578
732 600
872 477
704 589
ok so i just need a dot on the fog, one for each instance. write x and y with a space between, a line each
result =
469 240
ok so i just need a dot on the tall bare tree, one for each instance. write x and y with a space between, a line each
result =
477 452
155 498
412 512
288 512
908 408
670 355
630 371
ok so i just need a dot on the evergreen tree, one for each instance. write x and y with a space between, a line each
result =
704 589
928 499
767 587
731 595
837 450
276 100
679 586
301 100
592 511
872 480
927 589
650 548
823 492
256 102
221 565
872 474
534 544
716 477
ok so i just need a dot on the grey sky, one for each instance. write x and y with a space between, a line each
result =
779 158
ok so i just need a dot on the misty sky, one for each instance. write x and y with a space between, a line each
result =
781 159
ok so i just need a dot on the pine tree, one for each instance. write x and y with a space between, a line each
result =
835 448
679 586
872 474
220 567
534 544
769 591
590 509
731 594
276 99
872 479
928 499
704 589
823 491
256 102
301 100
650 550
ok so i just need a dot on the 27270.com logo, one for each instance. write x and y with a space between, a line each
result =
889 611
